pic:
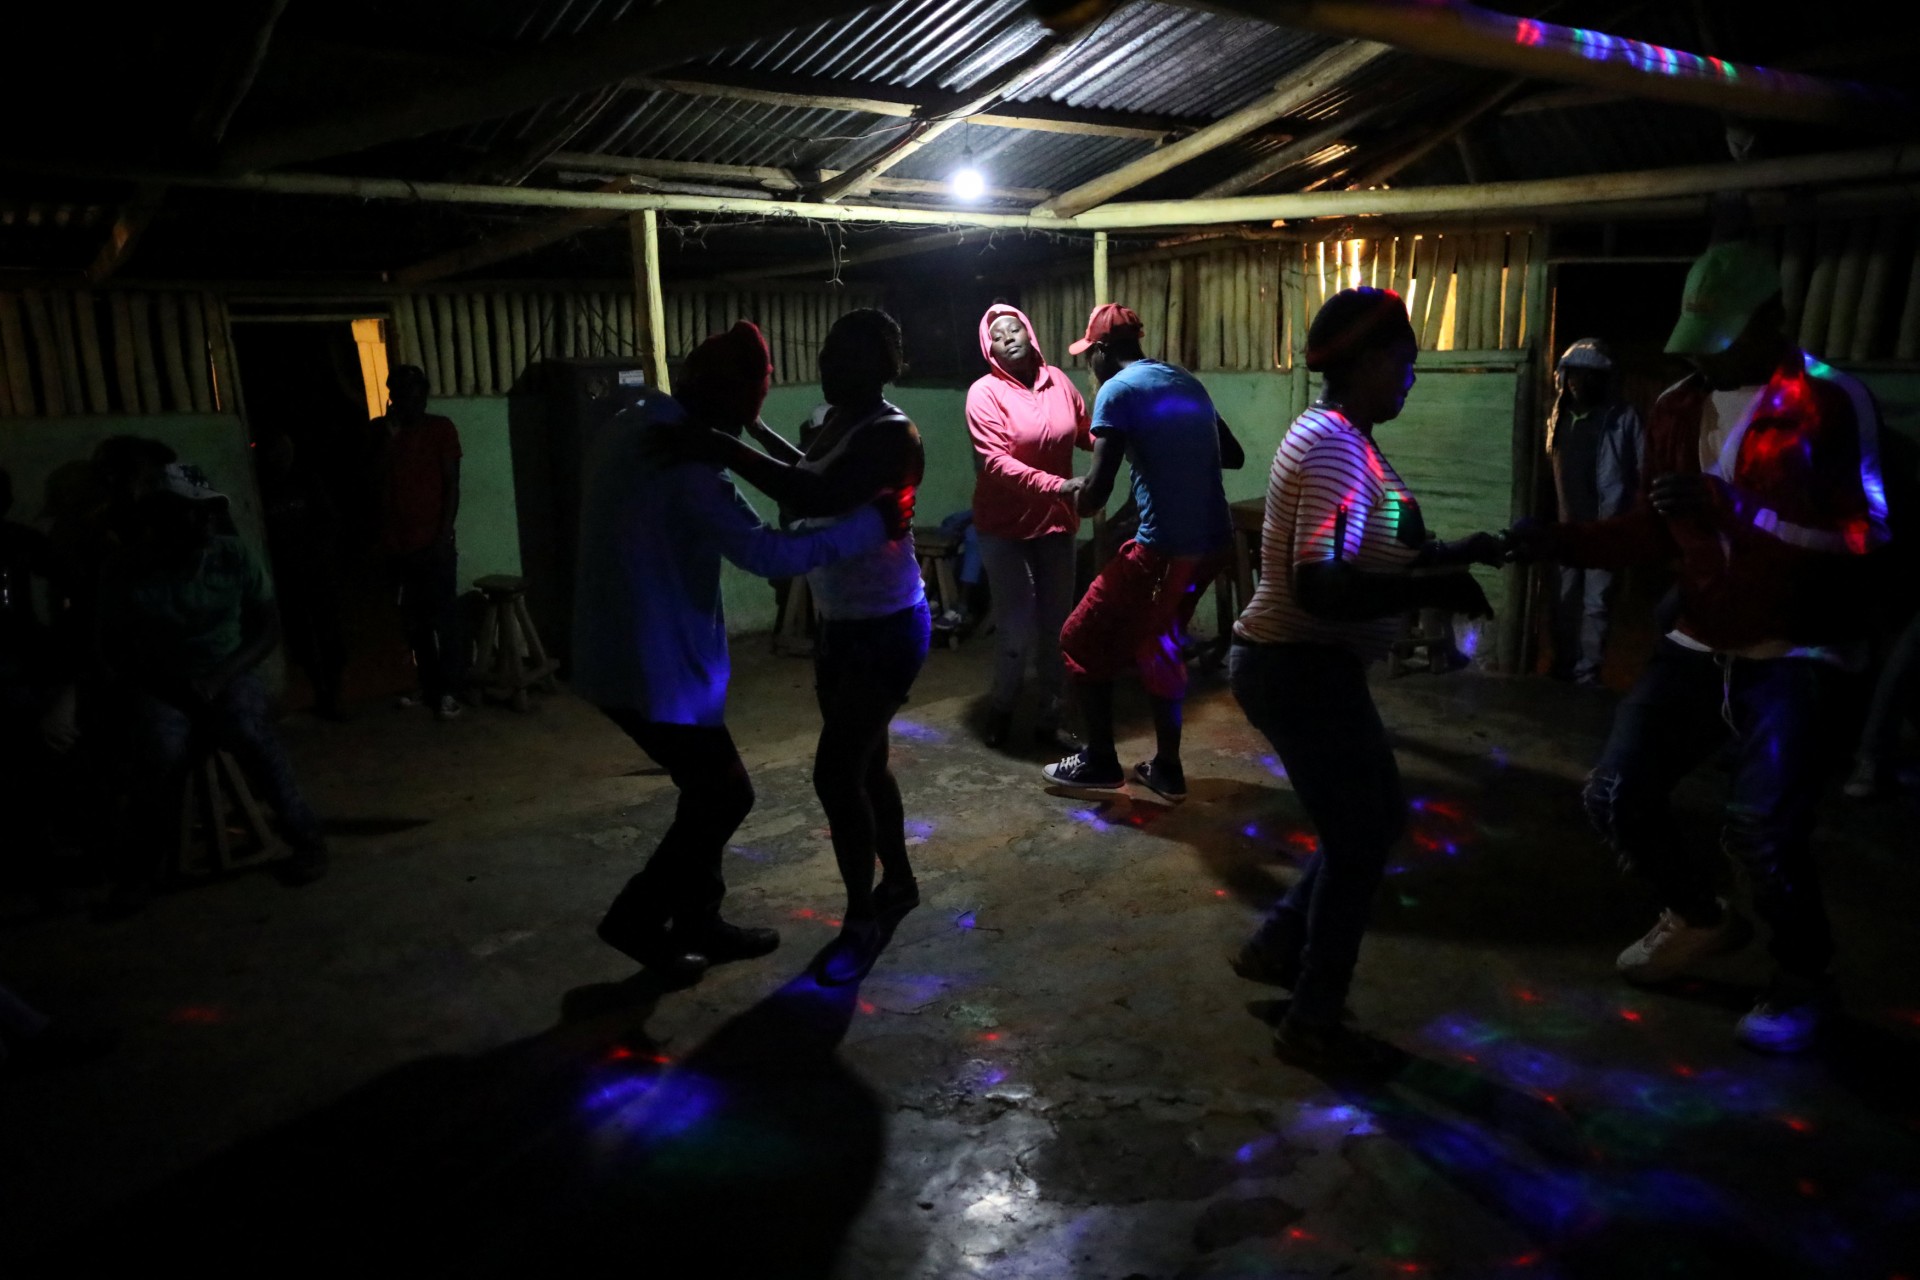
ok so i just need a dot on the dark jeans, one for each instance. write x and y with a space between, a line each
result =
1780 714
863 671
1311 701
429 589
681 881
165 741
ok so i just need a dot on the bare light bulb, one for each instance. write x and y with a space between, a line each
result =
968 183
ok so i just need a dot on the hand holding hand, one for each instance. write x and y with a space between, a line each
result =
896 512
1526 540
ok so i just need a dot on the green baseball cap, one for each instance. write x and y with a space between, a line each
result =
1725 286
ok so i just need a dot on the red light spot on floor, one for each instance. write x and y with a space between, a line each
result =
1551 1099
1631 1015
1467 1057
990 1035
1797 1124
803 913
1410 1268
662 1059
1806 1187
866 1006
1219 893
619 1052
1525 1260
833 923
1682 1069
1529 996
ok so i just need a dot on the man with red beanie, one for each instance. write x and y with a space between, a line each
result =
1762 486
650 638
1159 419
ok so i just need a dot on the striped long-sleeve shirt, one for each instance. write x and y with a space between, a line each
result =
1331 495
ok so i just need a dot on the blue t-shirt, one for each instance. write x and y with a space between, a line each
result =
1173 445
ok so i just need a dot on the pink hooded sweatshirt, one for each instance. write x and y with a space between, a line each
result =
1025 438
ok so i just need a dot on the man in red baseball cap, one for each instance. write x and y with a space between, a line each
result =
1158 418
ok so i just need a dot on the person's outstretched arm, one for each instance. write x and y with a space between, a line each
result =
713 505
1109 451
776 445
879 458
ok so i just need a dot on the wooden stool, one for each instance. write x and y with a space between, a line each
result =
939 552
511 658
222 827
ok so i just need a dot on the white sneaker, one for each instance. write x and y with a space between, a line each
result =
1673 944
448 708
1787 1019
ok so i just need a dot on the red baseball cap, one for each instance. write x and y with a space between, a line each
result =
1106 318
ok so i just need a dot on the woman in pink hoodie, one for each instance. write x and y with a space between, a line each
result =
1026 418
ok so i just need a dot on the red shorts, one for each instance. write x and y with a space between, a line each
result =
1135 615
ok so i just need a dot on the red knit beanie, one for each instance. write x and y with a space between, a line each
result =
725 378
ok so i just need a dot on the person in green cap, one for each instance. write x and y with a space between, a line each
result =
1762 486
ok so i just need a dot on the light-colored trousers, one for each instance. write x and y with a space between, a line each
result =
1032 584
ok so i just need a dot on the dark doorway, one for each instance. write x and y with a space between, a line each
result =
301 379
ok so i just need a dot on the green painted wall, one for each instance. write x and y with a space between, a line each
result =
487 530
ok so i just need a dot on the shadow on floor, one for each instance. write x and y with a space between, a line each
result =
583 1146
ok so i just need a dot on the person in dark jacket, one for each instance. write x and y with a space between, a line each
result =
1763 484
1595 443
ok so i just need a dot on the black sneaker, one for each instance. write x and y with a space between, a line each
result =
1257 962
655 951
721 942
1078 773
1335 1048
1167 782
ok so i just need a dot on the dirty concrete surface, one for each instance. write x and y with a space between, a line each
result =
427 1064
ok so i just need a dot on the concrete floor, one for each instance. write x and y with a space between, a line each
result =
427 1064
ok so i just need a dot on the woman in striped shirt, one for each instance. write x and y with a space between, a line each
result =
1339 546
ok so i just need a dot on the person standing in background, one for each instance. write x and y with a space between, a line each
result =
418 487
1026 418
1595 443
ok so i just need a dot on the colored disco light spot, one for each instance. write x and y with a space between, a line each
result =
1631 1015
618 1053
1418 804
1530 997
989 1035
1682 1069
920 829
833 922
964 920
803 913
1251 831
1798 1124
1297 1233
917 732
1219 893
661 1059
1806 1187
1525 1260
866 1006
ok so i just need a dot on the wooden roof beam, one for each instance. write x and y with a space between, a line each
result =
881 100
516 243
1286 97
1295 152
767 177
664 35
1456 31
931 121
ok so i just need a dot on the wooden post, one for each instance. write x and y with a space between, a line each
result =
1513 303
1847 282
482 345
1176 312
53 398
1907 345
1298 381
125 379
173 357
1826 262
148 370
13 349
60 302
644 232
502 330
1440 282
1873 290
226 374
1102 288
87 328
193 353
1795 247
517 328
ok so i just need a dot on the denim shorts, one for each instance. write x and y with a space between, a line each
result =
867 657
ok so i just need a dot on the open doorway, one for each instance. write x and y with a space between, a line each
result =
1632 307
310 384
